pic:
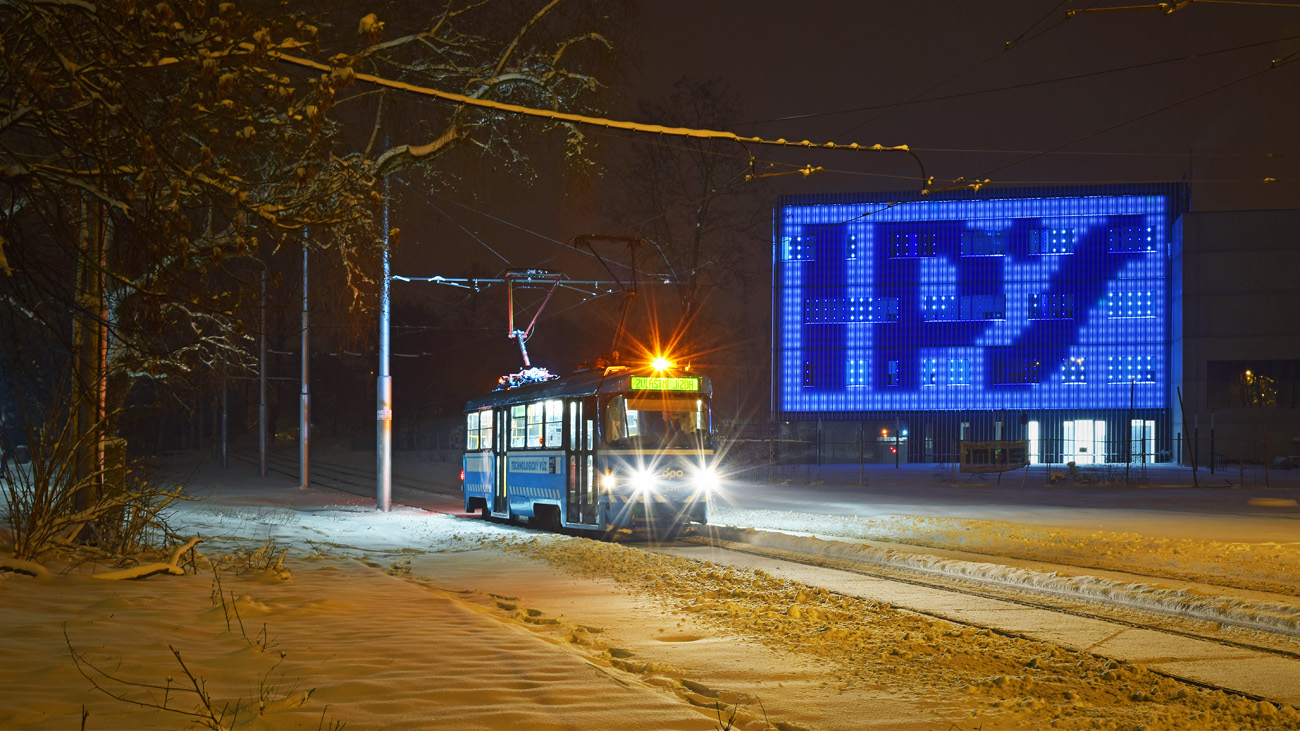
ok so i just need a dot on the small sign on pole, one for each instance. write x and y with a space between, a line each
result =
385 414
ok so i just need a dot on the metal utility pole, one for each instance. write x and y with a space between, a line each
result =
304 411
384 420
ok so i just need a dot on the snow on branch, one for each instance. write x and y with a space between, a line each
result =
21 566
139 572
589 120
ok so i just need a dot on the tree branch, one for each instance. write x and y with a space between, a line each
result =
139 572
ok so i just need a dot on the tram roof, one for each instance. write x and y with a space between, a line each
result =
582 383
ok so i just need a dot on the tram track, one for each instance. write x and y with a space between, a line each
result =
1016 595
1284 648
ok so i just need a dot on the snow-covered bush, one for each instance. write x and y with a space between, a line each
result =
57 501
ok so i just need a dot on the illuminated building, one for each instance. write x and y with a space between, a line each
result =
1039 314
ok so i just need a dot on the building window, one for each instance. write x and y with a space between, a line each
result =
939 308
850 310
1130 304
983 243
1051 306
797 249
929 371
912 245
1015 371
808 378
1052 241
1268 384
1131 369
855 374
1127 239
1073 371
958 372
891 373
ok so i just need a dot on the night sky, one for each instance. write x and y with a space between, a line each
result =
874 72
863 56
844 72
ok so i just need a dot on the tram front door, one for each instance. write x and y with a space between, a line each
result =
500 434
580 498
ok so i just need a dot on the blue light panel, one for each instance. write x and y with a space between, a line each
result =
1037 302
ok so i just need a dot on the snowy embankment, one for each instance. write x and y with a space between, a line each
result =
1278 618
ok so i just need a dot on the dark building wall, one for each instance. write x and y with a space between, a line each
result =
1238 314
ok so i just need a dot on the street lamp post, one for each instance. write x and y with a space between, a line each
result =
384 420
304 415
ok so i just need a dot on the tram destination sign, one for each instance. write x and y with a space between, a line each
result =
645 383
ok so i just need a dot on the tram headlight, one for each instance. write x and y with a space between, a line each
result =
706 480
643 481
608 480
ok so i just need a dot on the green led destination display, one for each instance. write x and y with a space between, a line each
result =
665 384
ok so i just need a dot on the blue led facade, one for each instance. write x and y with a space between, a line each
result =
1040 300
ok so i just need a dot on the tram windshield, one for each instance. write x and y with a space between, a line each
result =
653 422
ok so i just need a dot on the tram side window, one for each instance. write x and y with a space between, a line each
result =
471 431
535 424
485 429
518 426
554 427
478 430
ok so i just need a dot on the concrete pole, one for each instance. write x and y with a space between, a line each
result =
261 382
225 423
384 423
304 411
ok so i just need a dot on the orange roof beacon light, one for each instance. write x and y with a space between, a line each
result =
660 363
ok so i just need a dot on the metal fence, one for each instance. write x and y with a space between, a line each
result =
778 454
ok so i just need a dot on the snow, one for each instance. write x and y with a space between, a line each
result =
308 609
1266 565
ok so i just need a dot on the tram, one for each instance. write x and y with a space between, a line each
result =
605 449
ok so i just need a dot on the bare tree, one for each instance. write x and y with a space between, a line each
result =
154 157
698 202
540 55
692 197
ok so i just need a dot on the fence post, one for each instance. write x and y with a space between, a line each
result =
897 444
817 444
1191 448
862 454
1263 432
1212 457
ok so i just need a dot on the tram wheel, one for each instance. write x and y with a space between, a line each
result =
485 512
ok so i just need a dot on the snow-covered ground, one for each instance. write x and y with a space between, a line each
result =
308 609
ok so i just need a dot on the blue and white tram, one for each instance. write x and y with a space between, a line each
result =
605 449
